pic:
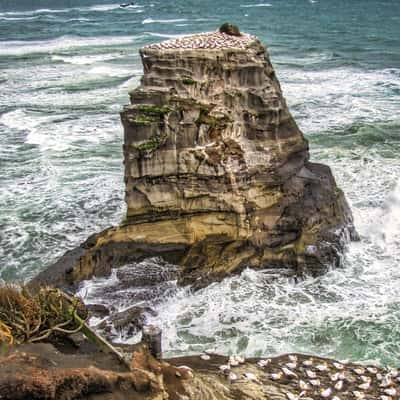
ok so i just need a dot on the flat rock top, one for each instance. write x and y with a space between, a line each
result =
207 40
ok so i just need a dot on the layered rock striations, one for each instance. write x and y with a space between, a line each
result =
217 172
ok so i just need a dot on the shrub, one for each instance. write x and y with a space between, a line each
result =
26 317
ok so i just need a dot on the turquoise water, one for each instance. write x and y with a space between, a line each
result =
65 70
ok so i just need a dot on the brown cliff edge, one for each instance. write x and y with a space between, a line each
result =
75 363
217 173
42 371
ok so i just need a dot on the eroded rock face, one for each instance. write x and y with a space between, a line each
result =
217 172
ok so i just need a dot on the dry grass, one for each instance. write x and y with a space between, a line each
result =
26 317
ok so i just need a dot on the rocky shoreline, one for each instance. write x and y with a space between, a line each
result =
217 179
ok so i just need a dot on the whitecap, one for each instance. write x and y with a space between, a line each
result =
22 47
77 20
50 10
108 7
86 59
256 5
389 227
162 21
34 124
165 35
103 7
350 94
98 7
131 83
38 11
109 70
58 131
22 120
19 18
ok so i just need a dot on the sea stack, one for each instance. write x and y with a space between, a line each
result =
217 172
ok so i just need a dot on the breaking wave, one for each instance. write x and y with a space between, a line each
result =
256 5
17 48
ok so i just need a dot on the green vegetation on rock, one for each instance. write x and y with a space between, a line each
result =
150 145
27 317
153 111
207 119
147 114
142 119
204 117
188 81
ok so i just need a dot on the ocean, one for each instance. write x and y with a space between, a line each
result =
66 67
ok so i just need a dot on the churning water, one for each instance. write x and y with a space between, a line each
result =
65 70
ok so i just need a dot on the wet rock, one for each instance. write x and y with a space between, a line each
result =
151 274
131 320
98 310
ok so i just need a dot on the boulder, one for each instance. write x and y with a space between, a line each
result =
131 320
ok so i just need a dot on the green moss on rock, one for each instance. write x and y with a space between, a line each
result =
142 119
147 114
207 119
153 111
150 145
188 81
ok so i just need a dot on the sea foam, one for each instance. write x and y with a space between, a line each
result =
87 59
162 21
18 48
256 5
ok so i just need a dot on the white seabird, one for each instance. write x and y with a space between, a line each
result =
338 366
251 377
365 385
224 368
391 391
325 393
311 374
321 367
263 363
359 371
339 385
232 376
289 373
276 376
303 385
